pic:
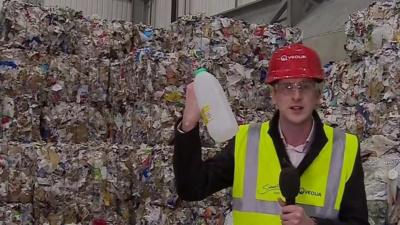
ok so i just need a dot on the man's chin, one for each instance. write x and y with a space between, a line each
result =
298 119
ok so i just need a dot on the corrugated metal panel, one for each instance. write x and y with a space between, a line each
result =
198 6
245 2
182 7
107 9
215 7
161 13
210 7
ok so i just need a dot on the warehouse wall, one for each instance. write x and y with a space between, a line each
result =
260 12
107 9
245 2
161 9
212 7
161 13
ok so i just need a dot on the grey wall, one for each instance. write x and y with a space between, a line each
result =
140 11
260 12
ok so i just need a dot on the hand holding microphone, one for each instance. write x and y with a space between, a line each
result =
289 183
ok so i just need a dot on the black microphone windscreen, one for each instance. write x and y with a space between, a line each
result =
289 183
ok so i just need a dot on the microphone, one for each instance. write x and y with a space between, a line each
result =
289 183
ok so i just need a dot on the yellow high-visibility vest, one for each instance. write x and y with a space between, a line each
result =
256 176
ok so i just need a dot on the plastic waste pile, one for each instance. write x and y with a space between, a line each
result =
83 79
362 95
87 110
80 183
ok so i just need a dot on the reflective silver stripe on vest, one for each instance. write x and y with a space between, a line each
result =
251 167
249 202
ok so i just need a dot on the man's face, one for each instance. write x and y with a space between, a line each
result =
296 99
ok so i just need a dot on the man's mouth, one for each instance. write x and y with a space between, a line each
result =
297 108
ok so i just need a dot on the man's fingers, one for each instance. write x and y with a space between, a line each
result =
292 208
287 217
292 215
191 113
281 202
290 219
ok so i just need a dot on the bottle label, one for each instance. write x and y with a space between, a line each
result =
205 114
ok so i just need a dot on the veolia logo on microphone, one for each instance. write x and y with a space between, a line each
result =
285 58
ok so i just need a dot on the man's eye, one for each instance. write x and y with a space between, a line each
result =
306 86
288 86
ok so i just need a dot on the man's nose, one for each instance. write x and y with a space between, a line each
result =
297 94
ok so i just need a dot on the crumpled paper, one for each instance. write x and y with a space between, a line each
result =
362 95
87 108
16 214
86 79
373 28
80 183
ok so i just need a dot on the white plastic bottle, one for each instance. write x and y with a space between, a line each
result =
216 112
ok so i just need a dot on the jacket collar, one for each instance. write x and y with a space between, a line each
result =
316 146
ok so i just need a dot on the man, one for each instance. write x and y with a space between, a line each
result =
332 181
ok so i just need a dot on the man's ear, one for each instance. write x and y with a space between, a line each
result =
320 100
320 97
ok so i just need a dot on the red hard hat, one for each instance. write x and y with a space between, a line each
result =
294 61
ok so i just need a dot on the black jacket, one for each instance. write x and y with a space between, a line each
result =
197 179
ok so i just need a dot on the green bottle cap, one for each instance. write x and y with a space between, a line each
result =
198 71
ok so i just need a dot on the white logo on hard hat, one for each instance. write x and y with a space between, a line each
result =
285 58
